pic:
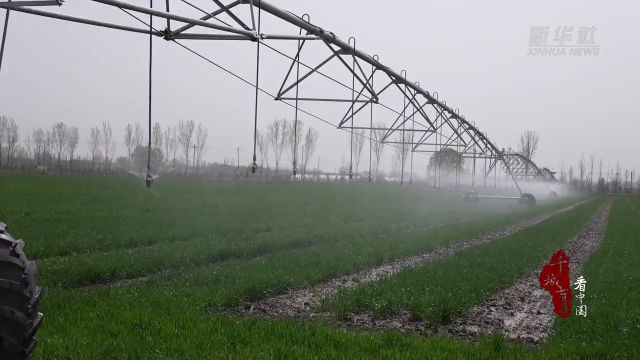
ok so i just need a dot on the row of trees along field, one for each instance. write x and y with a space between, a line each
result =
280 136
176 149
589 175
180 150
592 176
172 149
56 149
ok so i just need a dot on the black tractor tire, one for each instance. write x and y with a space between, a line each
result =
19 299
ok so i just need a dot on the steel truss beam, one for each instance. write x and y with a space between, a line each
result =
38 3
451 129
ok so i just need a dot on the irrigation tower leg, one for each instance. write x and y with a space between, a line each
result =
4 34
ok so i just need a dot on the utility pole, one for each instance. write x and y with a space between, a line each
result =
238 168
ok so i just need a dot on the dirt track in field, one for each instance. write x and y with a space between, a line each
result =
302 304
524 311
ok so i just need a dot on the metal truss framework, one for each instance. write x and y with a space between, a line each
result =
523 168
423 124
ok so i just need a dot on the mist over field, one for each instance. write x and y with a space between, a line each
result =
279 179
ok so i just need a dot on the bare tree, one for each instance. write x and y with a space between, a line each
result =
600 170
570 175
401 150
626 180
167 143
29 148
358 145
128 140
592 160
201 145
111 155
618 176
528 144
12 137
294 132
73 137
308 148
48 145
38 144
185 138
581 170
378 145
175 147
138 135
171 143
4 121
263 150
95 138
276 135
156 137
59 136
109 148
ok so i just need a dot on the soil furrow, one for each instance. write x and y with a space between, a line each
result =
302 304
524 311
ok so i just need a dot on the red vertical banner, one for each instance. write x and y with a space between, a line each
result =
555 279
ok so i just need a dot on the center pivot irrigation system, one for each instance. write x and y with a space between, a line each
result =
422 124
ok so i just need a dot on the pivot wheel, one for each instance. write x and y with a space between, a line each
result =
19 298
471 197
527 200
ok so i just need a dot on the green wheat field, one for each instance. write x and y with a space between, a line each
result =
132 273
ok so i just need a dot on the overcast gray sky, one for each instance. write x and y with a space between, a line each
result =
474 53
